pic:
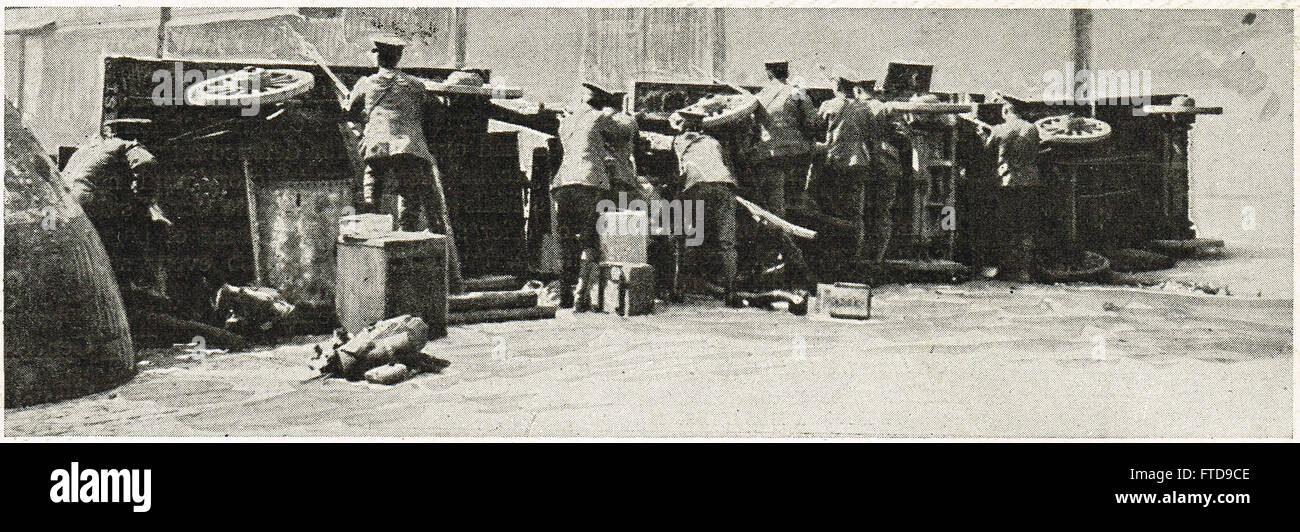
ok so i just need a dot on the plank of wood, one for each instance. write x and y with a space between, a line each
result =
500 315
767 217
931 107
494 300
491 283
1179 109
250 190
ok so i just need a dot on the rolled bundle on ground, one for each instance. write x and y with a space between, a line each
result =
500 315
494 300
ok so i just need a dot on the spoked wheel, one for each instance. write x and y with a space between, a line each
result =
1070 129
252 84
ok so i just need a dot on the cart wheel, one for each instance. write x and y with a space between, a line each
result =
250 85
1070 129
1094 266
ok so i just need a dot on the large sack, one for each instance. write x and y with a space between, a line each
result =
65 330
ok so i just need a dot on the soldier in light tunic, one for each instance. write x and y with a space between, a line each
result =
395 150
585 177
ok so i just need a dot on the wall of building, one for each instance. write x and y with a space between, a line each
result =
538 49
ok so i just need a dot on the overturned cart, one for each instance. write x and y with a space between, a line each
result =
258 192
1121 196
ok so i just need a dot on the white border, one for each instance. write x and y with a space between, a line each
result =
918 4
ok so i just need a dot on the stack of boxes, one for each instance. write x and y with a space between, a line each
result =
626 285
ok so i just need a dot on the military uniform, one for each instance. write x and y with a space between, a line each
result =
587 167
393 143
708 180
620 142
780 155
846 164
114 181
396 152
1016 200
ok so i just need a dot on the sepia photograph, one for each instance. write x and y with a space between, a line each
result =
649 222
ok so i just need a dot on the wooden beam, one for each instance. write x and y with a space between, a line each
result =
164 15
254 225
1081 29
1081 52
719 38
456 37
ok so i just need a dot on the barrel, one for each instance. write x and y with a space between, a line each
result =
65 329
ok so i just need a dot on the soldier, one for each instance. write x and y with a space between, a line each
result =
707 180
1017 206
582 180
114 178
847 161
623 177
889 149
780 157
395 150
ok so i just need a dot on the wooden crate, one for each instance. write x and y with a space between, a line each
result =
401 273
627 289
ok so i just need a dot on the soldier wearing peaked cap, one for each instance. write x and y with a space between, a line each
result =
847 162
780 157
395 149
707 179
777 156
115 179
1017 195
586 176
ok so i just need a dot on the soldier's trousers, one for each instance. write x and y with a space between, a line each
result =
774 180
136 247
881 191
419 185
715 256
769 181
1018 215
575 210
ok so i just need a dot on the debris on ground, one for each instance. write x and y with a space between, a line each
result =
491 306
387 344
388 374
251 310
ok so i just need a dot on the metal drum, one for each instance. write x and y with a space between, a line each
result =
65 330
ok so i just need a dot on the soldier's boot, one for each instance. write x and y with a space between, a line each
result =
570 271
566 293
1021 262
588 276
